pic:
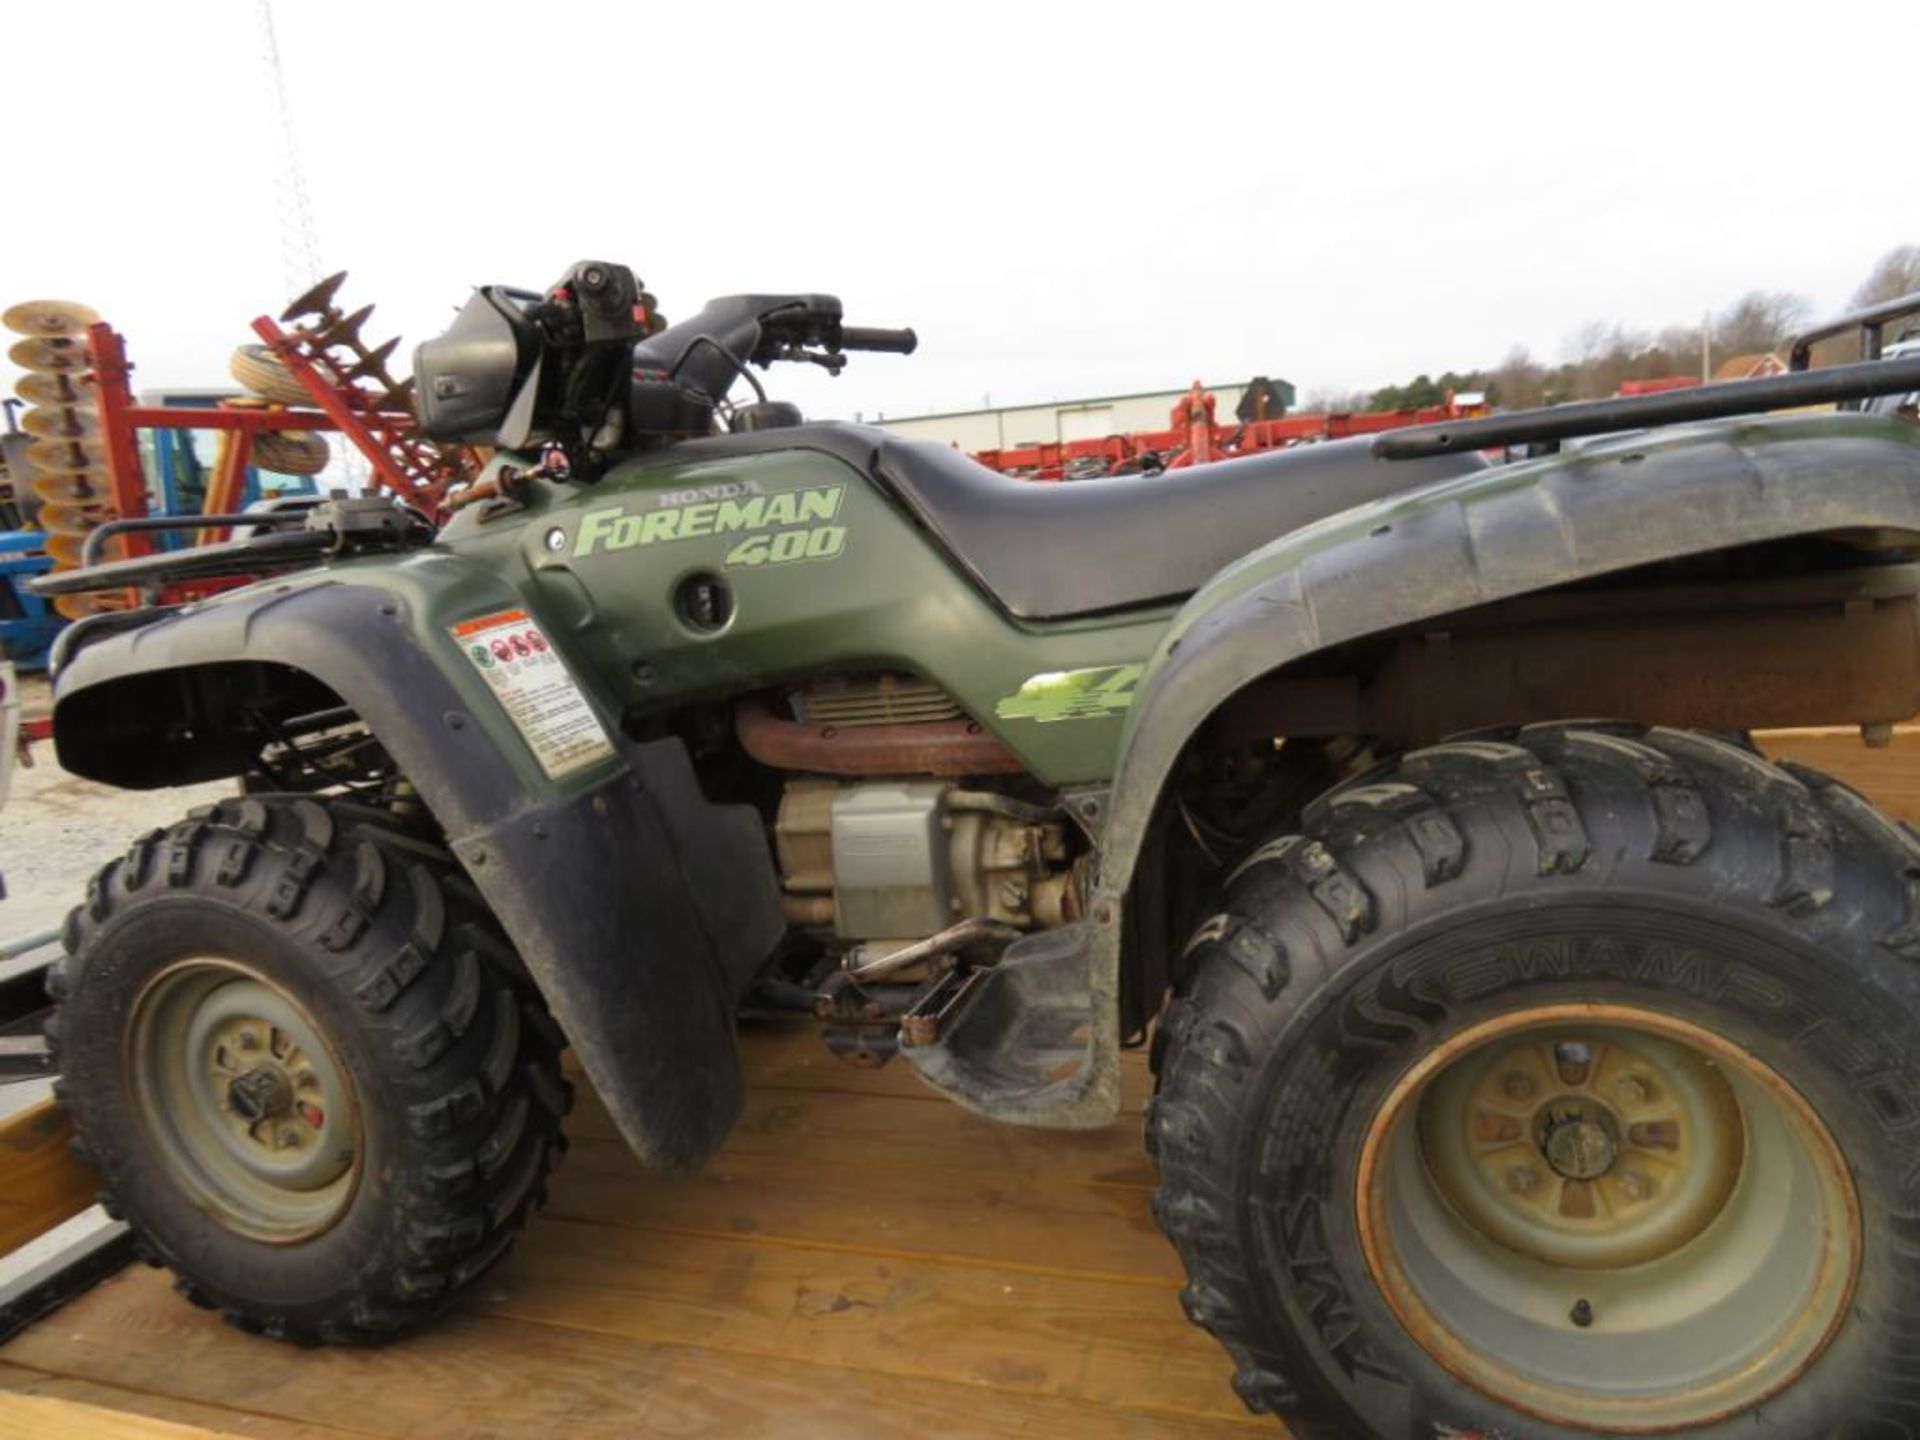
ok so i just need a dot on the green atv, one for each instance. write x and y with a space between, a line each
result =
1518 1073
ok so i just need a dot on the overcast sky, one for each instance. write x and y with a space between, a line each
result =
1065 200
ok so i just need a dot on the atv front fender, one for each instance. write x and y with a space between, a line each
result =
640 909
1636 500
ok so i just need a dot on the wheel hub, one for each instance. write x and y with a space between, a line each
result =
1608 1217
1583 1150
262 1092
1581 1141
247 1101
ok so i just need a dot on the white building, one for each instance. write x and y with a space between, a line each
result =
1064 420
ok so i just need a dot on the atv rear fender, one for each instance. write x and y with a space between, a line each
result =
1638 500
640 909
1501 533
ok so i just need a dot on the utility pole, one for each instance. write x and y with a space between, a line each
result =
1706 346
299 239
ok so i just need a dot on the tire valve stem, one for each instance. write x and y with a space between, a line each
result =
1582 1313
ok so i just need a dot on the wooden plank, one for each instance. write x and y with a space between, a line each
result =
46 1418
1888 775
1105 1341
1021 1217
788 1054
476 1374
209 1418
41 1183
820 1131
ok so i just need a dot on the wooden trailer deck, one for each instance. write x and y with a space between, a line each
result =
862 1258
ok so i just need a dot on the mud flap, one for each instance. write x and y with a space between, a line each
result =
642 912
1033 1043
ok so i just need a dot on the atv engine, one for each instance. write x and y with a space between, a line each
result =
885 862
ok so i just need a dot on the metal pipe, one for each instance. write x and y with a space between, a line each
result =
924 747
967 932
233 557
22 944
97 538
992 803
1868 321
1640 412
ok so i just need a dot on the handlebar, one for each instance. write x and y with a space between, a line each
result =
866 337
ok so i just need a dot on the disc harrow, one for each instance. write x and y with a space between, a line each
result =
323 350
65 462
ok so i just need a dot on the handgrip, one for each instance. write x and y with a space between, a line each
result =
865 337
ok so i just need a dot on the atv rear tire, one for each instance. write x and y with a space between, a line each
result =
1557 1083
306 1065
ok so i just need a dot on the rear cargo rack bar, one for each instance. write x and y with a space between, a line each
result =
1671 407
1869 321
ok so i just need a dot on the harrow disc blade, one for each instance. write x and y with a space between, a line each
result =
51 352
74 521
399 398
315 301
97 602
52 387
49 456
61 422
49 318
345 331
74 487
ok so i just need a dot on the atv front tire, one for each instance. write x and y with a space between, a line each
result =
1553 1084
306 1065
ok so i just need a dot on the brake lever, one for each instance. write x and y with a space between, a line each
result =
829 361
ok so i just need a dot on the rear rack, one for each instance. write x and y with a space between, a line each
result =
1801 386
1870 322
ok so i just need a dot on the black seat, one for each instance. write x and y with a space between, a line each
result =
1050 551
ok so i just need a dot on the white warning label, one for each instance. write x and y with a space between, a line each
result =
535 688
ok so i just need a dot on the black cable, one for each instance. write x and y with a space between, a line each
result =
739 366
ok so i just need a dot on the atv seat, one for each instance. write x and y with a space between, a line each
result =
1050 551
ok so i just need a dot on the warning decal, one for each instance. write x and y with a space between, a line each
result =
535 688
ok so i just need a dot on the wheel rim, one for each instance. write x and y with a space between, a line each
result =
1608 1217
249 1103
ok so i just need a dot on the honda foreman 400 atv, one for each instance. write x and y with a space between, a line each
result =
1519 1073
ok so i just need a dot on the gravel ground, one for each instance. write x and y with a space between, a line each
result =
57 829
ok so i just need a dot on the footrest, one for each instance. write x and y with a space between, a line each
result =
1025 1041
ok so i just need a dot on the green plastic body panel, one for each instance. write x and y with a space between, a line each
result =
602 565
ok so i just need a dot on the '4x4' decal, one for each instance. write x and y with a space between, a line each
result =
1072 694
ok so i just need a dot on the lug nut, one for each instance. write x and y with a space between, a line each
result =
1581 1314
1636 1185
1518 1085
1523 1179
1632 1090
1574 1060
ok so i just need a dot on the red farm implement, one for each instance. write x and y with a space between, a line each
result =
321 377
1194 436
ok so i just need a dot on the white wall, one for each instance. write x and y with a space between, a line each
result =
1090 419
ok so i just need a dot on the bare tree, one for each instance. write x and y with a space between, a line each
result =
1520 381
1759 321
1895 273
1331 400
